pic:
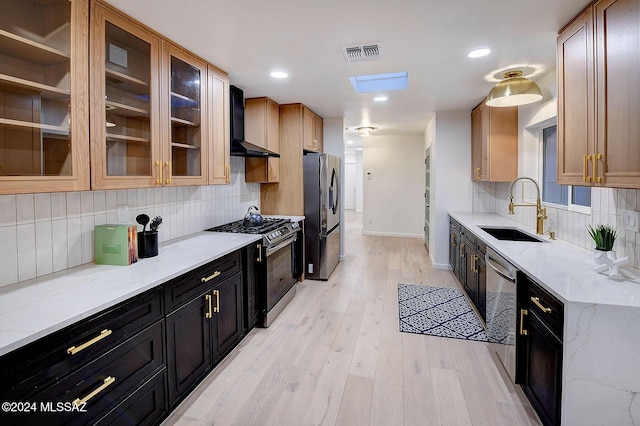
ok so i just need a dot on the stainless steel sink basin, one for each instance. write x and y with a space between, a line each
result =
510 234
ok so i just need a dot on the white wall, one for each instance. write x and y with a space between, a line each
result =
393 197
333 143
449 135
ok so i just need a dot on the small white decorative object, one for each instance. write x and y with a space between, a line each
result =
606 261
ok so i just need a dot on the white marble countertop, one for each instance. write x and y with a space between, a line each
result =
33 309
565 269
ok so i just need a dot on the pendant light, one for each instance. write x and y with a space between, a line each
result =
514 90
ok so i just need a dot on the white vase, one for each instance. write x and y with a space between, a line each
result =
601 256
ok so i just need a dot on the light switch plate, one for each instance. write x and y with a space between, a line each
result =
631 220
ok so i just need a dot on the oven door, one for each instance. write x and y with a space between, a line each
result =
280 271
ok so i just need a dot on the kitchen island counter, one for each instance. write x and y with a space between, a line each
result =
601 344
33 309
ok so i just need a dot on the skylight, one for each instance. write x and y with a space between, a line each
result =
380 82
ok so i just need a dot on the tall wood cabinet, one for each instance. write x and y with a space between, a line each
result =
494 143
287 196
44 96
158 113
599 96
262 127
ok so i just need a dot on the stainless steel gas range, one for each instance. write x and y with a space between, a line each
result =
278 264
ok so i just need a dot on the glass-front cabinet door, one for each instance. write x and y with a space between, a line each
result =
126 142
185 80
43 96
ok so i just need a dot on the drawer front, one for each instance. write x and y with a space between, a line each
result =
184 288
146 406
48 360
105 382
549 309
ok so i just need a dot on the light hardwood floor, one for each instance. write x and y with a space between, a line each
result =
335 356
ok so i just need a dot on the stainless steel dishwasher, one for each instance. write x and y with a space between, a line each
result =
502 309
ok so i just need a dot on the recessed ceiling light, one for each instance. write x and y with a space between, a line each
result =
479 53
349 142
279 74
358 149
380 98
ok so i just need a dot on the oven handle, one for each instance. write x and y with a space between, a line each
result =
271 250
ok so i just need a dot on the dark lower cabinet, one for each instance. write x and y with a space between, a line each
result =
539 348
130 364
229 316
189 354
466 257
251 313
201 332
543 371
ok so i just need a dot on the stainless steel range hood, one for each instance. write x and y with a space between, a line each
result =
240 147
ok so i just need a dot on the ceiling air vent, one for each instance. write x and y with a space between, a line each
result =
362 52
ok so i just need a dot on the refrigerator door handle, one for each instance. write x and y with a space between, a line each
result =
335 183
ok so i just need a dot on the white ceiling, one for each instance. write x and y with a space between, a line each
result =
427 38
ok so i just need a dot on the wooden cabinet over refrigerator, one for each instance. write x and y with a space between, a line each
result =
43 96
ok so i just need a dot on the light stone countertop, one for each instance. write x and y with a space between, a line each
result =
564 269
33 309
601 340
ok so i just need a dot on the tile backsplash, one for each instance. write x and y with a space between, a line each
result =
606 208
49 232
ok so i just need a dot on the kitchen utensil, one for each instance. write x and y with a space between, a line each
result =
143 220
155 223
253 217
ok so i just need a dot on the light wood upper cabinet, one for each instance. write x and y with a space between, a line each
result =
287 197
617 25
599 96
184 108
576 121
313 133
44 114
494 143
219 131
126 144
262 128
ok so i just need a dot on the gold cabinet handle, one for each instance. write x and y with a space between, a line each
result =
523 312
169 172
216 293
585 160
75 349
475 264
259 259
478 172
595 158
228 172
210 277
209 313
159 165
461 250
105 384
536 301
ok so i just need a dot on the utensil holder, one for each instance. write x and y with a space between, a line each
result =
147 244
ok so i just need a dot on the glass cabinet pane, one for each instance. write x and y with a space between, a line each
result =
127 103
186 109
35 88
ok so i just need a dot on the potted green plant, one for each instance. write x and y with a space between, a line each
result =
604 236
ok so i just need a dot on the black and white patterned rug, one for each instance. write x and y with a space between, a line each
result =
438 311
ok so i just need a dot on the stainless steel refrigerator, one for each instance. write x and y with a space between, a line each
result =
321 214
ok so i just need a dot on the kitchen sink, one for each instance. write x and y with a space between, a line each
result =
511 234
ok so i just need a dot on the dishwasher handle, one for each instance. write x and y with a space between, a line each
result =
499 269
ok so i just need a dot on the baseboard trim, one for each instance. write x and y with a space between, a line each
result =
444 266
392 234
